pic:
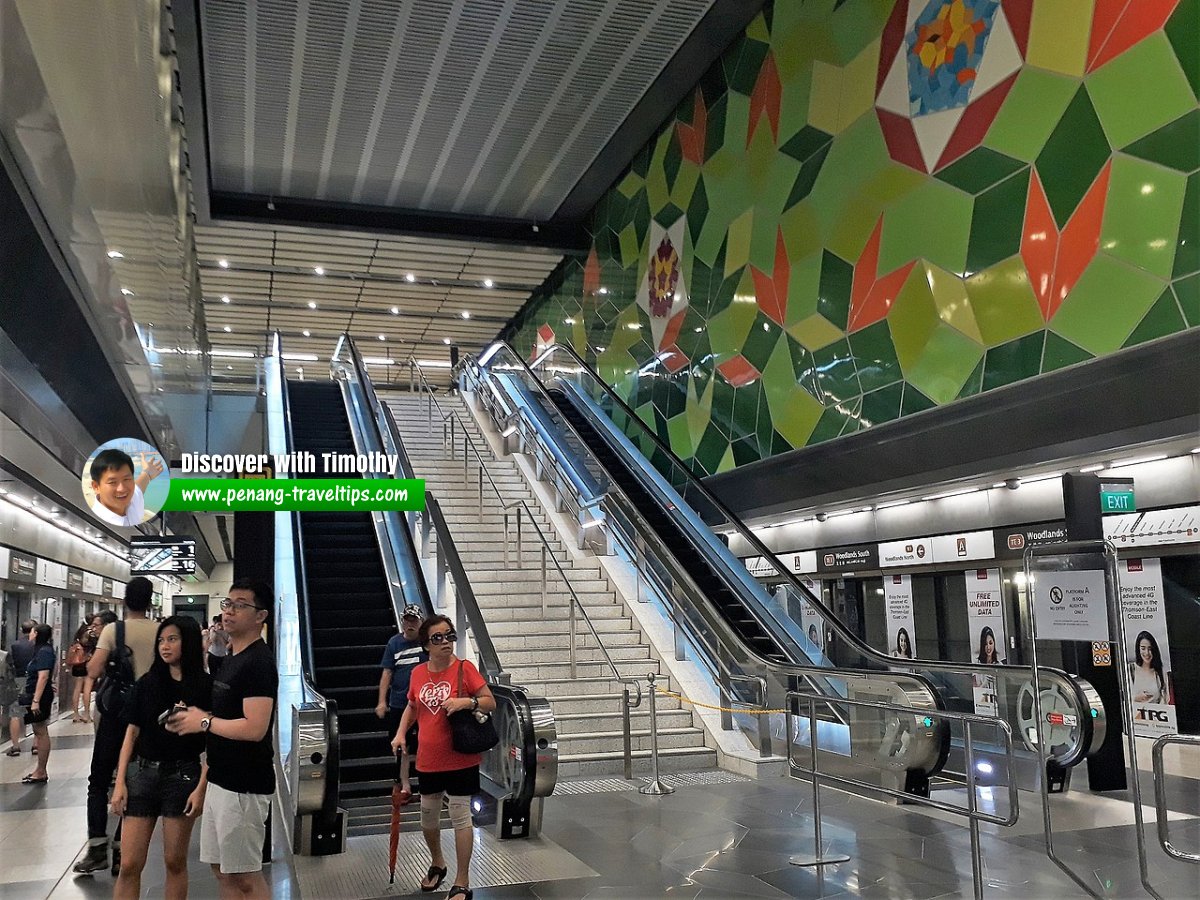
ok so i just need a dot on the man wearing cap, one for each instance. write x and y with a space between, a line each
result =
402 654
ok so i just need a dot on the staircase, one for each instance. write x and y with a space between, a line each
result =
533 649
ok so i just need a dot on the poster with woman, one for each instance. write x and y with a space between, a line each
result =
985 625
810 619
1149 650
901 622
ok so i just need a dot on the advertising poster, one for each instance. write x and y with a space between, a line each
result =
810 619
1070 606
1149 653
901 624
985 623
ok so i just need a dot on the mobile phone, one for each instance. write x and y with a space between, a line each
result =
167 713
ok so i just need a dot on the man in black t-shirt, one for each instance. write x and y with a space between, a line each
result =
241 768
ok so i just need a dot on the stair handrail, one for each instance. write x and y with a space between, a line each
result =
520 505
1078 687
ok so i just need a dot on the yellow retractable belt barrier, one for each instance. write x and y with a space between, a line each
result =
737 709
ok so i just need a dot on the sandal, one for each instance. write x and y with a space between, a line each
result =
459 891
439 874
13 751
29 779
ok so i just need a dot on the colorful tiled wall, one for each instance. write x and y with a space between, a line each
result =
870 208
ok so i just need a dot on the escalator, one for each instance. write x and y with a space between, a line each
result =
350 610
710 582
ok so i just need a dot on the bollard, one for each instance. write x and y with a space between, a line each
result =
656 787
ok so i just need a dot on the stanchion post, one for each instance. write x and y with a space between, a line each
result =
626 731
818 858
656 786
972 822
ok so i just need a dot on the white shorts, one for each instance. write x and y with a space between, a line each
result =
232 830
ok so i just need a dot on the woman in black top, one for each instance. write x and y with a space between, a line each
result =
160 773
39 688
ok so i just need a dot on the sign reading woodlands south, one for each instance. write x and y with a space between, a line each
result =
848 559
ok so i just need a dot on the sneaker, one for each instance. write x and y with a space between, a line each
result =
95 860
116 866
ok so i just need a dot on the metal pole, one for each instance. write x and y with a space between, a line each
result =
637 564
466 459
818 858
571 631
481 491
543 581
626 732
972 822
506 541
656 786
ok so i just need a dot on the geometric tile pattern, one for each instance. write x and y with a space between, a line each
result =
866 210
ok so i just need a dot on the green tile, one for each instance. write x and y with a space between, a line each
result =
668 215
932 222
1175 145
794 412
1003 301
1141 215
882 405
979 170
1072 157
1014 361
1188 291
727 330
1142 89
761 340
912 318
710 450
914 401
833 301
679 437
974 383
858 154
1105 305
945 363
875 357
742 63
1060 353
640 164
806 142
804 367
1187 245
1181 31
807 177
727 461
997 222
1030 112
745 451
1164 318
673 160
837 376
744 417
832 422
714 138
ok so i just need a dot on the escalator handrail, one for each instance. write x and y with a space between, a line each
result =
307 656
886 662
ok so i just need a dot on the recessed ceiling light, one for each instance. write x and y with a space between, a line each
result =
127 292
312 304
487 282
568 321
230 368
115 254
465 314
320 270
1096 467
383 337
604 290
445 340
225 299
395 310
410 277
227 329
223 263
307 333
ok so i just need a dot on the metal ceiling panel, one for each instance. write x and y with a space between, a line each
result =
490 108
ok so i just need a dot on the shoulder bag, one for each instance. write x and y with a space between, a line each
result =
470 730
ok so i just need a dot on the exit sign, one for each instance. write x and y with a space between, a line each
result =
1117 498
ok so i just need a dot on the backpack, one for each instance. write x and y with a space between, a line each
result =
10 687
118 679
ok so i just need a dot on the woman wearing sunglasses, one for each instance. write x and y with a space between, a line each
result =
444 685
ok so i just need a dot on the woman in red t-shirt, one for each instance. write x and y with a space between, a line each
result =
444 685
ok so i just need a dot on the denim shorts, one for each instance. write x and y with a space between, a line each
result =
160 789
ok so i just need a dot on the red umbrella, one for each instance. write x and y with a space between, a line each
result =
399 798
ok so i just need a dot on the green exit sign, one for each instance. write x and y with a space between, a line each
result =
1117 498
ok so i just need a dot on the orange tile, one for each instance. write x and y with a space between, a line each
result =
1039 243
764 99
1124 24
1080 239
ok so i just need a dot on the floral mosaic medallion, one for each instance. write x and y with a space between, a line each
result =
662 293
945 67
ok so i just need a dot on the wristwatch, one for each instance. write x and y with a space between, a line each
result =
474 704
206 723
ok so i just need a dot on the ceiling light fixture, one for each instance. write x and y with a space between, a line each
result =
410 277
115 254
227 329
312 304
320 270
892 503
1096 467
465 314
604 290
306 333
301 357
1049 476
127 292
487 283
223 263
383 337
395 310
225 299
957 493
445 340
1137 462
433 363
378 361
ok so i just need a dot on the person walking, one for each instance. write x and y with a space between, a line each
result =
82 648
159 773
20 654
439 688
217 645
39 687
241 768
139 648
402 654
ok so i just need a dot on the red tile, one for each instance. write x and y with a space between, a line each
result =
901 139
591 274
692 137
1080 239
545 334
1137 21
771 291
1019 14
893 37
765 99
1039 243
674 326
738 371
1104 17
977 118
872 296
672 357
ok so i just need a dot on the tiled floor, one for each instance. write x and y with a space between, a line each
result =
706 841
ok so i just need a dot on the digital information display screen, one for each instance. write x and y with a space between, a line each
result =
154 555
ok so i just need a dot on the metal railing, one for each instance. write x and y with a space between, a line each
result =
972 812
1160 794
517 509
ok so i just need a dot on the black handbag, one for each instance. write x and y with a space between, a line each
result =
467 733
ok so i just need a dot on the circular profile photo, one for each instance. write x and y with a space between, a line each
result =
125 482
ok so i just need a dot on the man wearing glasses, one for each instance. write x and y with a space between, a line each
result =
241 768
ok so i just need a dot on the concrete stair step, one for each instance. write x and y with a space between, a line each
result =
531 616
603 742
550 671
567 704
557 642
595 765
514 659
608 722
556 688
511 629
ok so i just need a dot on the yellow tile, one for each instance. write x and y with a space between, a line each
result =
953 304
825 97
757 30
815 332
858 86
1058 35
737 253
